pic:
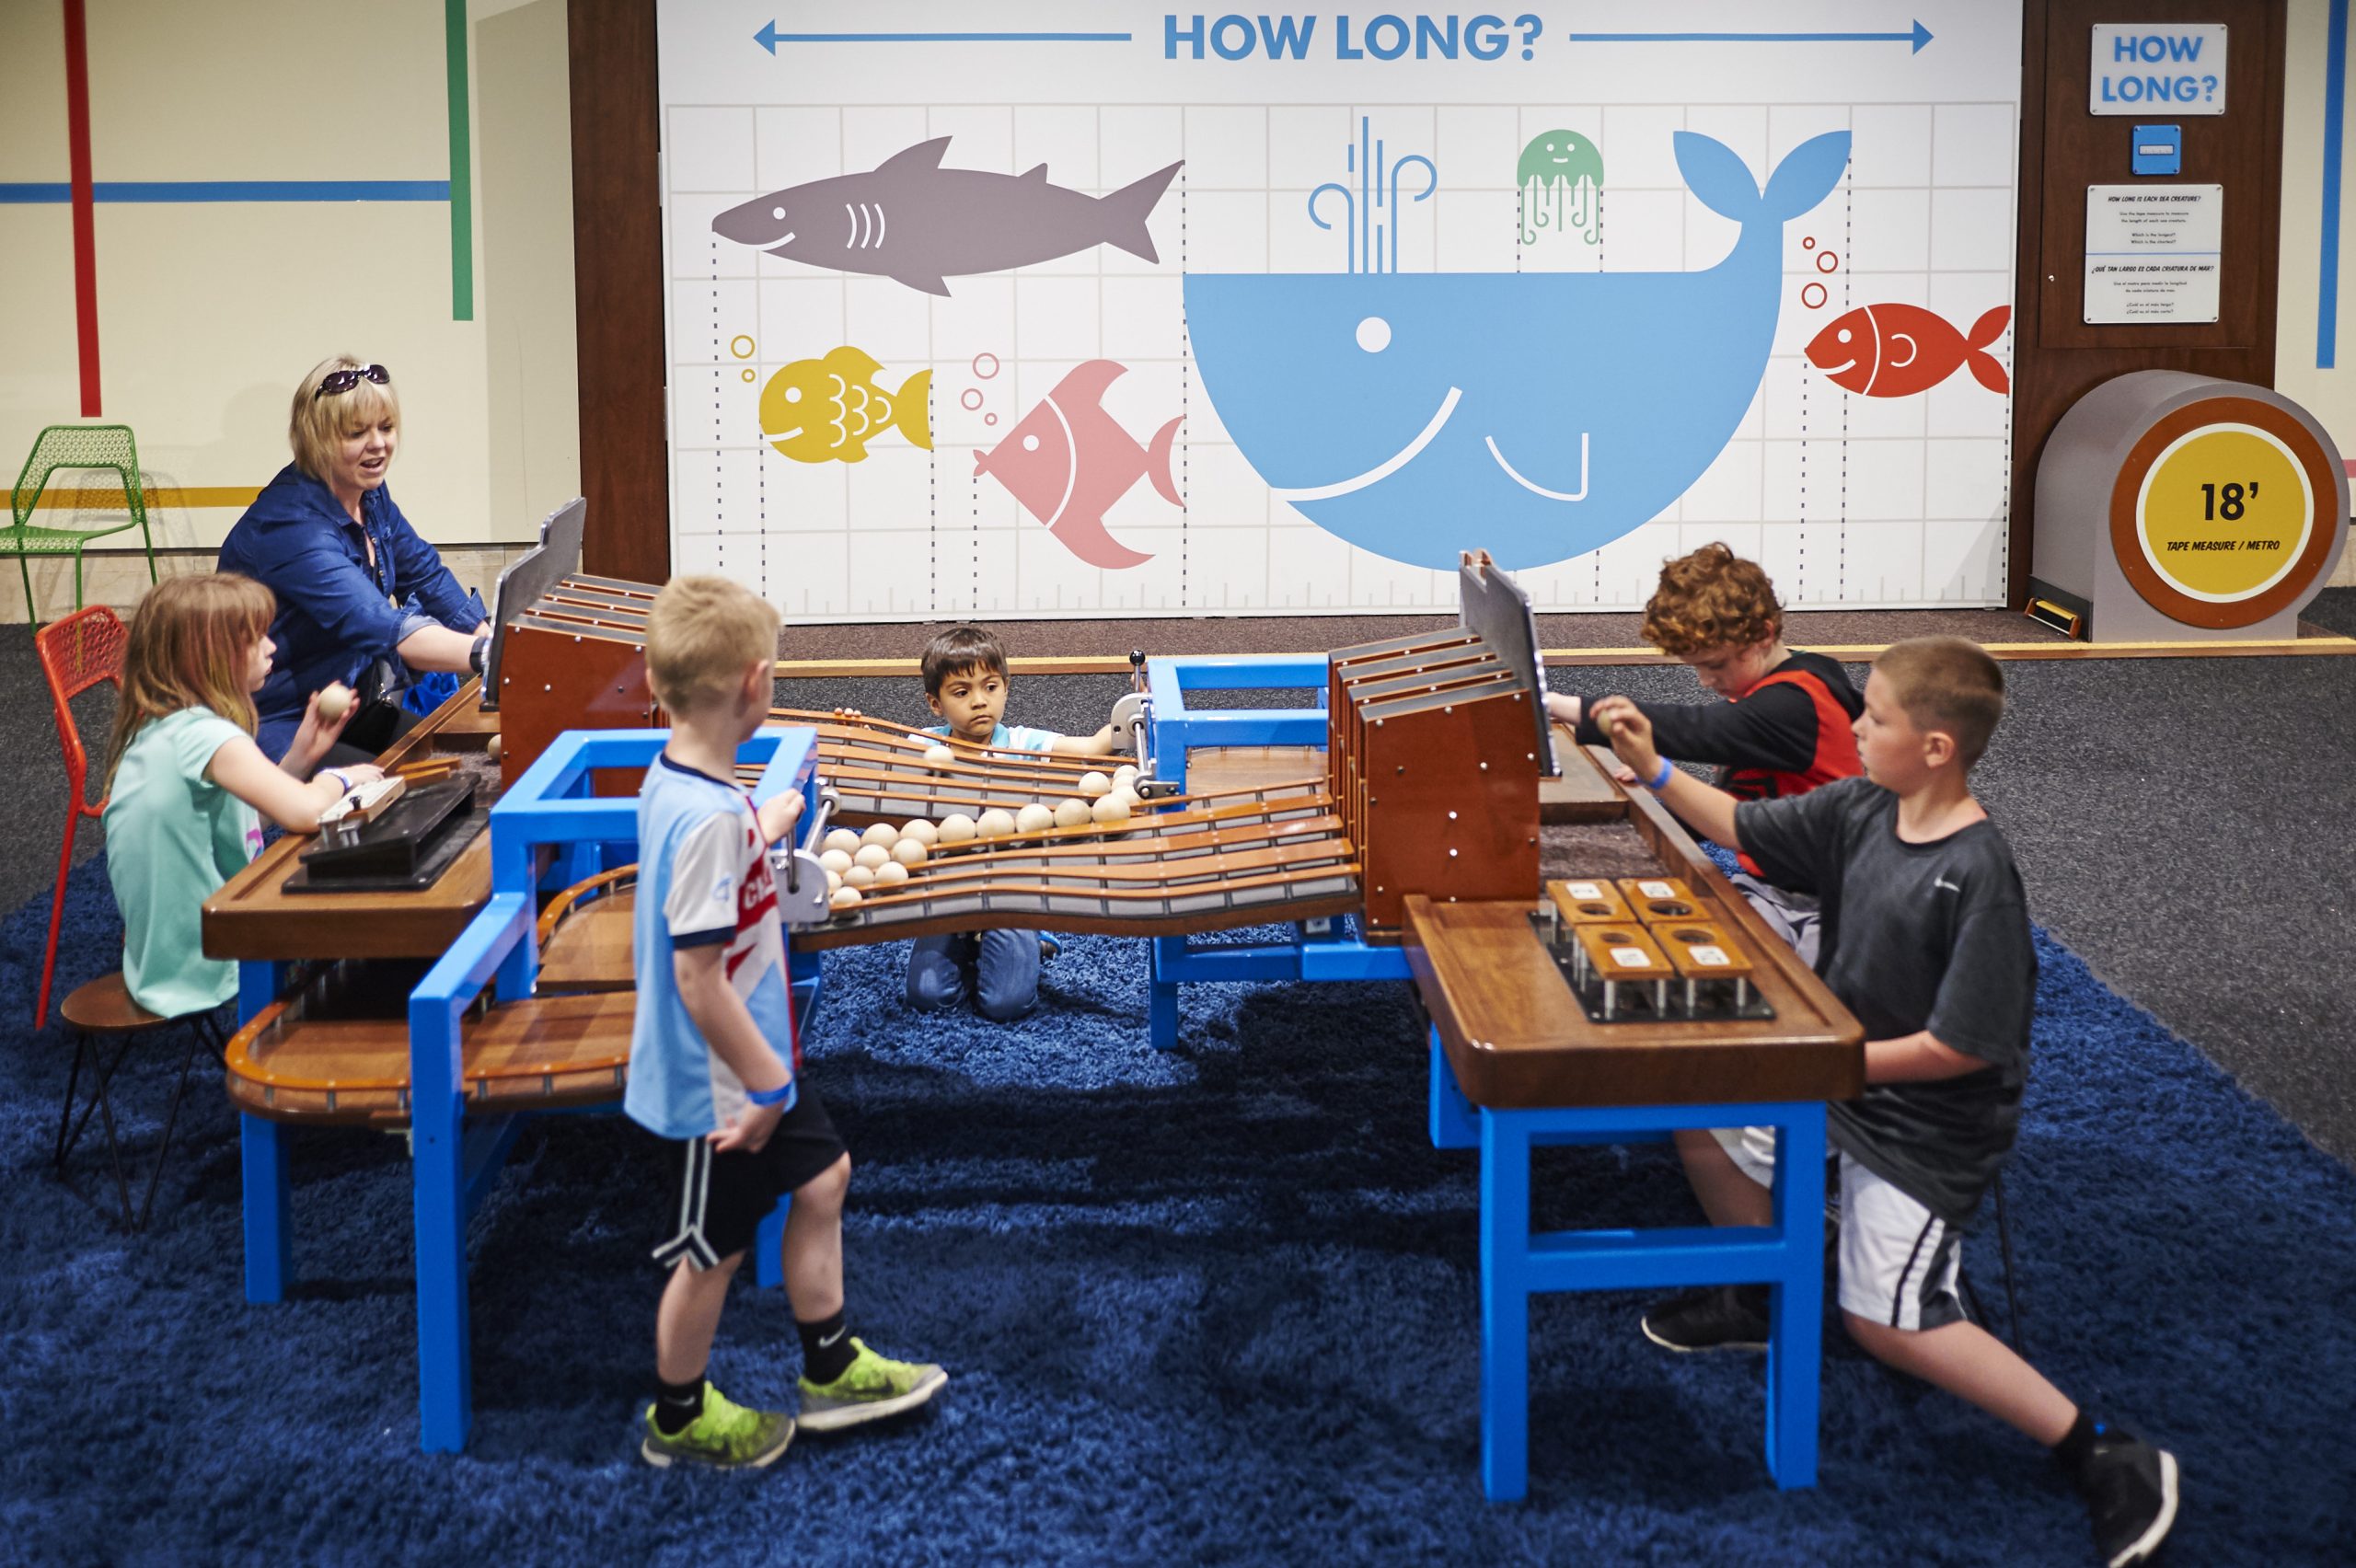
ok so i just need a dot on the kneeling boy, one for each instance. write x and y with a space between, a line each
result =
1926 939
714 1062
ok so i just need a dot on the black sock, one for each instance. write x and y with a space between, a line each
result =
676 1405
825 1348
2078 1445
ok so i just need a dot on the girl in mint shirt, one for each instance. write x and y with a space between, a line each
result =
185 780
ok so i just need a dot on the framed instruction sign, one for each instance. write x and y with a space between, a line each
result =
2152 253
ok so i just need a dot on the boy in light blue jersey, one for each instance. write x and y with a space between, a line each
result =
714 1062
965 685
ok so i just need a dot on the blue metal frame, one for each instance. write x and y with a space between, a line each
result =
1787 1256
1337 953
1177 729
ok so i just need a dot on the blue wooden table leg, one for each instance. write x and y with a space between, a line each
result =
438 1186
768 1246
261 1147
1453 1120
1161 996
1504 1306
1796 1313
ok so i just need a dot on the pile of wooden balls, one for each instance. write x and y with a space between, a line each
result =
883 856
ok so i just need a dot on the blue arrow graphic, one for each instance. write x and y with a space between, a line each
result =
1920 36
769 38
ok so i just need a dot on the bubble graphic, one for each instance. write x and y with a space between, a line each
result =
748 373
1808 244
985 375
989 419
741 346
1827 262
1816 290
971 397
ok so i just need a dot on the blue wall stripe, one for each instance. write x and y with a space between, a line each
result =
2335 124
238 191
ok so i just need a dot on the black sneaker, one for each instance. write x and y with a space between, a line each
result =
2129 1488
1719 1317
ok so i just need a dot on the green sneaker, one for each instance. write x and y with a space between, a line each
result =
870 1388
726 1436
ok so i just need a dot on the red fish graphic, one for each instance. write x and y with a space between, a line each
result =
1895 351
1069 461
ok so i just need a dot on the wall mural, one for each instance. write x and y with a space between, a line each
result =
940 300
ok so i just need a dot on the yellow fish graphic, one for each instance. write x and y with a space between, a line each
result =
817 410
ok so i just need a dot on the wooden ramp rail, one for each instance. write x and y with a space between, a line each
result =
336 1050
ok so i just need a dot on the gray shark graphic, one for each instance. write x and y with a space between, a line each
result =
910 218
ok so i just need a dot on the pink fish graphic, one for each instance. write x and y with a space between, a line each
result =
1069 461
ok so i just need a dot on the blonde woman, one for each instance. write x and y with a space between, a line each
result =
362 599
186 781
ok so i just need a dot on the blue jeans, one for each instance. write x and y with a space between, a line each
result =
1005 965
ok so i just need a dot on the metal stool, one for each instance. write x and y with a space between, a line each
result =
97 1012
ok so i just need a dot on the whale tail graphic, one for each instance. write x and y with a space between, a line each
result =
1984 331
1124 212
1156 461
1722 180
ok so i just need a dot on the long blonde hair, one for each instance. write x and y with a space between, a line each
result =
188 647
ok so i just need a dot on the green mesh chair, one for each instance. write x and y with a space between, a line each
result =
73 446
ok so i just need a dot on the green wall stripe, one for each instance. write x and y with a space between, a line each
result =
462 176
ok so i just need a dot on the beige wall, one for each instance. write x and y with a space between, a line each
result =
208 313
2329 395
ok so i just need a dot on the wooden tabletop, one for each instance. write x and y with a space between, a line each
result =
1519 1040
253 918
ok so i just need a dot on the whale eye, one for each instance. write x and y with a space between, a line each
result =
1844 334
1374 334
776 213
1030 443
1549 146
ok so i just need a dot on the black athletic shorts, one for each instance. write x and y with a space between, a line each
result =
722 1198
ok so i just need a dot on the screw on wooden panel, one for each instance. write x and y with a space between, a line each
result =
1403 767
1451 816
1484 767
1451 854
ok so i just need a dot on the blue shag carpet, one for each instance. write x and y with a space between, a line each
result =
1212 1307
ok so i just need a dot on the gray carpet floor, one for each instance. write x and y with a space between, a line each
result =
2183 823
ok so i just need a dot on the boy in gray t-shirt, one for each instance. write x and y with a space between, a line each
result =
1926 939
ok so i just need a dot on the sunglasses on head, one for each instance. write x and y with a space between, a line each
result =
337 381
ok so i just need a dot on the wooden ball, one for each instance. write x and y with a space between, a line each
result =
492 750
1125 777
833 882
335 701
1071 813
882 833
1033 818
939 756
845 898
957 828
1110 809
835 860
996 824
923 832
891 874
907 852
858 877
871 856
1093 784
842 838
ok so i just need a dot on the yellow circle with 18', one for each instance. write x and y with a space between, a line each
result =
2225 513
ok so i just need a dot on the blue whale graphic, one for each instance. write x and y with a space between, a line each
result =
1539 415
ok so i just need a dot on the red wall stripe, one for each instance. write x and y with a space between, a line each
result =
86 228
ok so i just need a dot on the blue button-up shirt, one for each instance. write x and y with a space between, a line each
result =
336 615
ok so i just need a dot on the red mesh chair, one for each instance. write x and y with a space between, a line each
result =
76 654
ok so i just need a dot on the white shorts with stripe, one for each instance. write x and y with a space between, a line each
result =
1798 919
1900 1263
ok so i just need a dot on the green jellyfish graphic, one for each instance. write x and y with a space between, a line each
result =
1556 165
